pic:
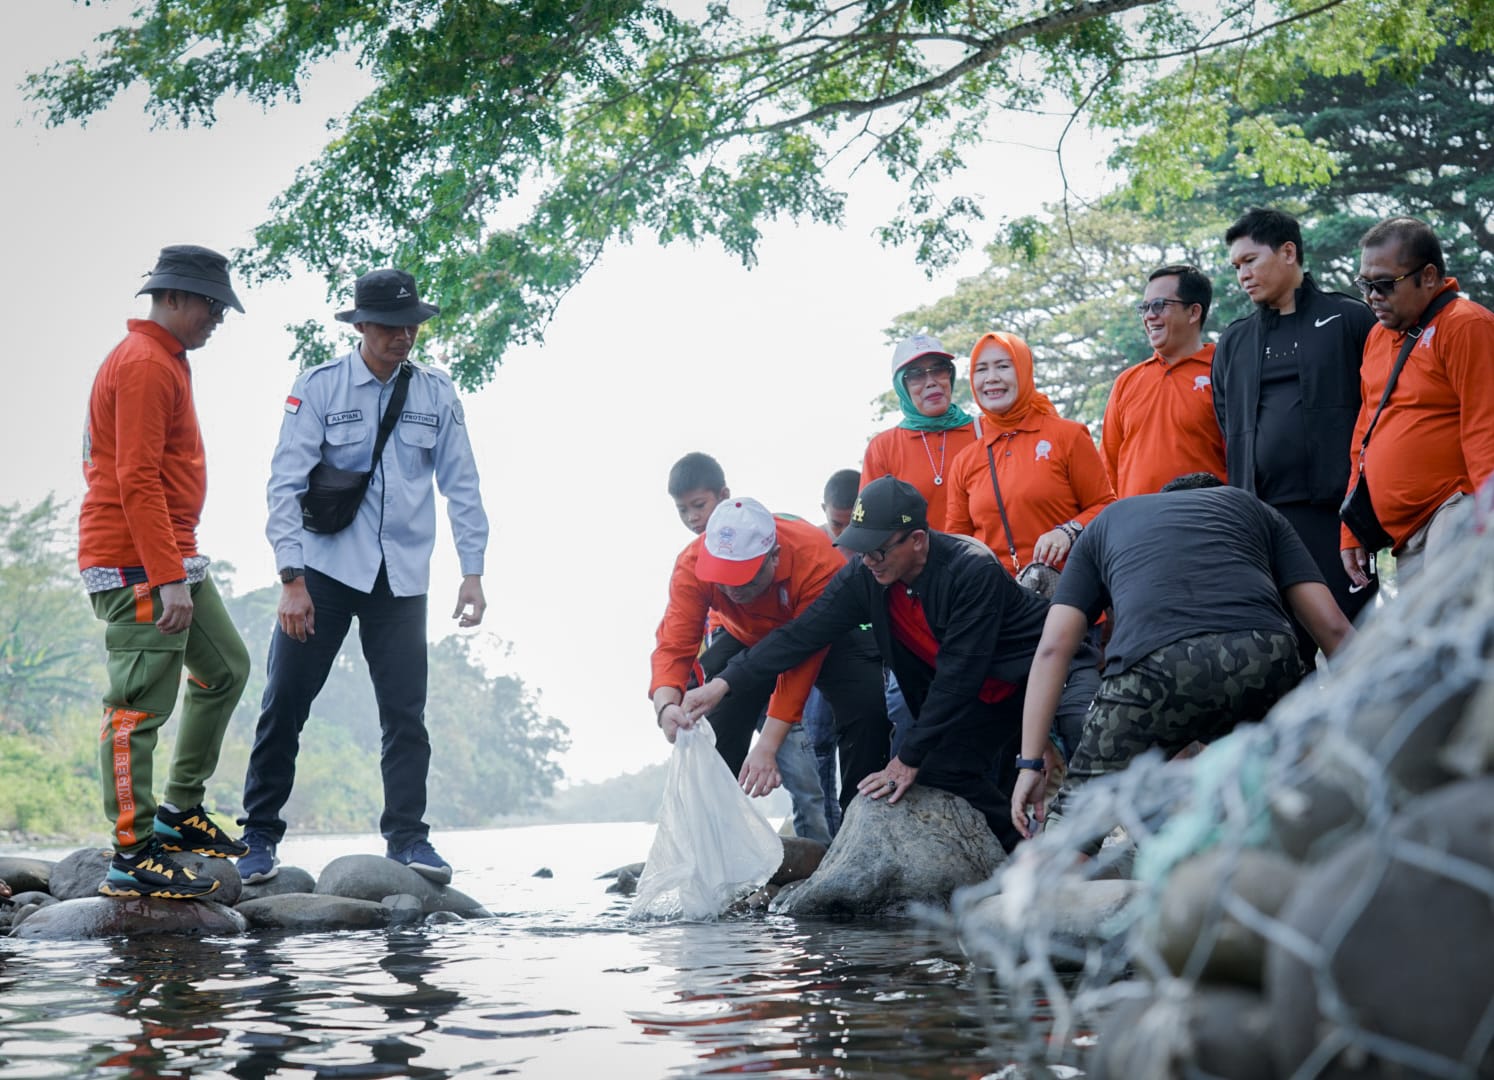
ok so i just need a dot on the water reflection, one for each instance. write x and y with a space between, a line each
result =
559 985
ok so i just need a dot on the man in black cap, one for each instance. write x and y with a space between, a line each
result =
954 627
137 549
375 568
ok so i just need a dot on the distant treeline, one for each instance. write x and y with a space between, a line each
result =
493 753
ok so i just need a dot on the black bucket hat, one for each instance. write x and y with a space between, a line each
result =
389 298
193 269
885 507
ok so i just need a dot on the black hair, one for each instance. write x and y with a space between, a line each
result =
693 472
841 489
1419 244
1270 227
1194 286
1193 481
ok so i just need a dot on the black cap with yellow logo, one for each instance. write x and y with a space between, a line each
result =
885 507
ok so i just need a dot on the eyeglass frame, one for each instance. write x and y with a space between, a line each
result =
1383 287
1159 305
923 374
879 555
216 308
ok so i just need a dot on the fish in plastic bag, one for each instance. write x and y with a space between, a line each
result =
712 846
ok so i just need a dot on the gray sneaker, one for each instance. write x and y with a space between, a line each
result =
260 863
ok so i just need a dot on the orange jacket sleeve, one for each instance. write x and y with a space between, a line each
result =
1470 370
1111 435
145 399
1088 477
677 641
957 517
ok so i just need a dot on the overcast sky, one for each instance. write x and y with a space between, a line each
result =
658 352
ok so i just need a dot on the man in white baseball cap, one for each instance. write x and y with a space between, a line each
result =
758 572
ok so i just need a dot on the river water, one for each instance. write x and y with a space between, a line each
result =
559 984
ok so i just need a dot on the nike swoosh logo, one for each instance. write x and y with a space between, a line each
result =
1325 322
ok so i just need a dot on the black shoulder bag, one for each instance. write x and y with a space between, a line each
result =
1011 543
1357 511
333 495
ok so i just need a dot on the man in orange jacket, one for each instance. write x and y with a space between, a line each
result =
757 572
1433 444
137 549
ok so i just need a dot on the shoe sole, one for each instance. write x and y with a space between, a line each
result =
263 875
431 873
205 852
126 891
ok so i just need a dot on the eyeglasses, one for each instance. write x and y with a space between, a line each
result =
1383 286
944 370
876 555
1156 307
216 308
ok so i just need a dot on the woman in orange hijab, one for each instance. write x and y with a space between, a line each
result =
1033 480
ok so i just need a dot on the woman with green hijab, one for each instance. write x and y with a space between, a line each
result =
933 430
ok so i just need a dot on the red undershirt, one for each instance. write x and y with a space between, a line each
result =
911 628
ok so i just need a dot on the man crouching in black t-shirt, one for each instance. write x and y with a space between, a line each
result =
1195 576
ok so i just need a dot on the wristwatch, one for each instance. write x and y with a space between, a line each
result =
1036 764
290 573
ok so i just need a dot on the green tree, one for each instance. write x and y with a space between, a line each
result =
51 649
505 145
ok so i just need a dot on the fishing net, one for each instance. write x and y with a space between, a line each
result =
1312 896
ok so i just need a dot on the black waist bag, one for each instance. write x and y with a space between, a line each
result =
333 495
1357 511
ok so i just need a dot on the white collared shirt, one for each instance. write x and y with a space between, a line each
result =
332 415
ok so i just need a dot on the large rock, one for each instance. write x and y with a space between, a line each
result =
1221 1032
79 873
1193 931
888 859
373 877
26 875
290 879
101 916
1405 919
800 859
310 912
1081 923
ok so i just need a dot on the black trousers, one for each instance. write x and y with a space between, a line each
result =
979 764
851 681
1318 529
392 631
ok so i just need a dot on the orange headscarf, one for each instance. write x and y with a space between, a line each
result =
1028 401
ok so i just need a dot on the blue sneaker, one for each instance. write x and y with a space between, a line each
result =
260 863
422 858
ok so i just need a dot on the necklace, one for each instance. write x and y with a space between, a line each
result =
938 469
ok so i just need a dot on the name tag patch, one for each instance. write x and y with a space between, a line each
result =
428 419
344 417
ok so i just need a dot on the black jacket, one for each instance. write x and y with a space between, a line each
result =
1329 374
987 626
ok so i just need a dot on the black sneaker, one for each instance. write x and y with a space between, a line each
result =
422 858
192 830
152 872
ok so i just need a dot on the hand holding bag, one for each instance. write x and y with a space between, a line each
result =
1358 511
333 495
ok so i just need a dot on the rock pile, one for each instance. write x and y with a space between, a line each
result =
60 900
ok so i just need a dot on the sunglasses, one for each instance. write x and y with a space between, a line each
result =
1382 286
1156 307
216 308
942 370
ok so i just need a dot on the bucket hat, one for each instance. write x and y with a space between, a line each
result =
193 269
389 298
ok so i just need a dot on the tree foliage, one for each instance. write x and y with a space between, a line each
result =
505 145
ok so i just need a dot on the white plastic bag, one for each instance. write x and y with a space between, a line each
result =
712 846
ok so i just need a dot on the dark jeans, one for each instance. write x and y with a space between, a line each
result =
1318 529
391 630
819 725
851 680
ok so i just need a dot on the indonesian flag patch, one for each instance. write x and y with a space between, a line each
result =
292 405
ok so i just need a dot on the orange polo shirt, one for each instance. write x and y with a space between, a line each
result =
806 563
1160 424
1050 473
1436 435
917 457
143 459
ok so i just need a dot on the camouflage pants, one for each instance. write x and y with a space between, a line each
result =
1196 689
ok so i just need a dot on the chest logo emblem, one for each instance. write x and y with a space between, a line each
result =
1202 382
1044 450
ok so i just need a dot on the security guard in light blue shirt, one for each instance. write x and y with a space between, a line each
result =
377 569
